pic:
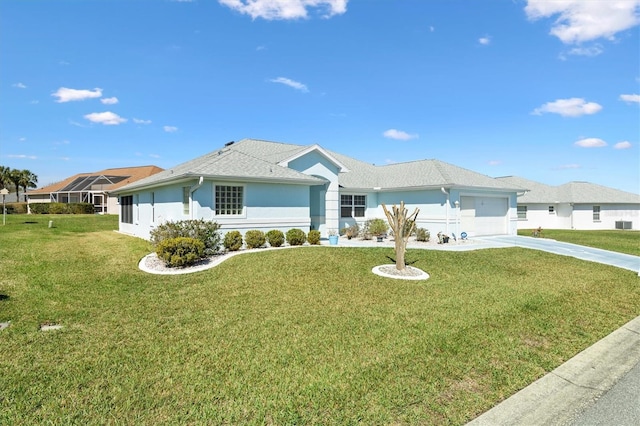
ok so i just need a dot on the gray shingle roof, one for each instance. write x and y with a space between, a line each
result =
227 163
572 192
258 159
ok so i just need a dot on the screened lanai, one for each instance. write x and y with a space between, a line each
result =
87 189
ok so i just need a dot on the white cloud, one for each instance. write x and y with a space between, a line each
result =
432 28
154 155
285 9
495 162
141 121
19 85
630 98
65 94
23 156
109 101
291 83
485 41
568 167
622 145
398 135
107 118
590 143
170 129
594 50
572 107
22 139
584 20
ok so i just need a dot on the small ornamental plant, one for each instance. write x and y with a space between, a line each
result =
378 227
254 239
296 237
233 240
313 237
180 251
422 235
275 238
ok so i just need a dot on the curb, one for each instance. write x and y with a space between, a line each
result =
561 395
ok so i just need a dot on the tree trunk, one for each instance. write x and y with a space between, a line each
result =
398 221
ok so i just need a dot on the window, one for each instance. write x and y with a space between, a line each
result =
153 206
522 212
229 200
596 213
551 209
185 199
137 208
353 205
126 209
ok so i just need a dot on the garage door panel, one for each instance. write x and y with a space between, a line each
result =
484 215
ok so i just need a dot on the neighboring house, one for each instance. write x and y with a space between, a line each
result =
575 205
94 188
254 184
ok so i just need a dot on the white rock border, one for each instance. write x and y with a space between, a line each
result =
419 274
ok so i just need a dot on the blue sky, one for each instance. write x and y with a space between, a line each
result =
545 90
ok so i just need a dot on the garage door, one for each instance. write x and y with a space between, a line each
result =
484 215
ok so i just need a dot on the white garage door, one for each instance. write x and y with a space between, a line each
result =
484 215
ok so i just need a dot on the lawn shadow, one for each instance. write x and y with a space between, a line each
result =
3 297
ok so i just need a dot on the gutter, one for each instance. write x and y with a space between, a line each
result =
193 189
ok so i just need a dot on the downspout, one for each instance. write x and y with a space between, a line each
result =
446 209
193 189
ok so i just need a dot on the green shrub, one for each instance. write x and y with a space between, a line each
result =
296 237
313 237
254 238
200 229
61 208
180 251
422 234
275 238
16 208
233 240
378 226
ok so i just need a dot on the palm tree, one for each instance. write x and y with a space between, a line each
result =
27 180
4 176
14 176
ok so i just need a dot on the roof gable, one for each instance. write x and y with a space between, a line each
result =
317 149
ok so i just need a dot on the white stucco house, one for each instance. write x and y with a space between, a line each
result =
574 205
255 184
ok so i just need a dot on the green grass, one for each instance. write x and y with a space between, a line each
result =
299 336
615 240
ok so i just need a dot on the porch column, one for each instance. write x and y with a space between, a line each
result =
332 206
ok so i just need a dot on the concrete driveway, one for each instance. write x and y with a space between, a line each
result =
620 260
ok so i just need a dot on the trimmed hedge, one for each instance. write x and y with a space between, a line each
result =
15 208
61 208
296 237
254 239
275 238
313 237
233 240
200 229
181 251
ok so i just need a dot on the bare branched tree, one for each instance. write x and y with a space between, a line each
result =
402 226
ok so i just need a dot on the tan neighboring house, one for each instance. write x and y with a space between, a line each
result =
94 188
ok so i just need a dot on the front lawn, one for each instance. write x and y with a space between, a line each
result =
614 240
298 336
